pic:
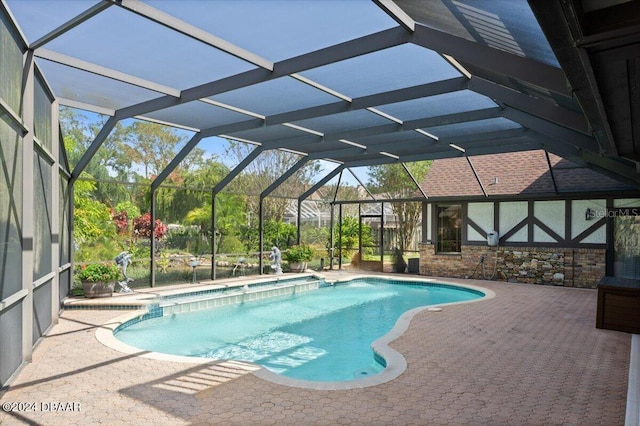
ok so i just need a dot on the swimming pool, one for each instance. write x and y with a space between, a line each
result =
323 335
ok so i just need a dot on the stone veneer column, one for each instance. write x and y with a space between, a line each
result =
589 267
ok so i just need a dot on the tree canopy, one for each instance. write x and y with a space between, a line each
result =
265 170
395 182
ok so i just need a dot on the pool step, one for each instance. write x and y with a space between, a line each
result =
236 297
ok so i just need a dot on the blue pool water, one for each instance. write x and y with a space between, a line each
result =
318 335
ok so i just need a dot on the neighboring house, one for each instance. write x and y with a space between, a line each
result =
314 212
557 223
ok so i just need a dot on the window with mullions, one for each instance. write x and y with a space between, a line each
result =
449 226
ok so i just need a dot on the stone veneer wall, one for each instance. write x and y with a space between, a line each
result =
578 267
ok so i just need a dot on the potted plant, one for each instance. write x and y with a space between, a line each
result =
297 257
399 264
98 279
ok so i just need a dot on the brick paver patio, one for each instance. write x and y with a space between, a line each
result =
529 356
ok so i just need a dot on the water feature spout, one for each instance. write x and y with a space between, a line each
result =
241 263
194 263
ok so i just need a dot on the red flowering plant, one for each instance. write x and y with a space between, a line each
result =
142 227
121 221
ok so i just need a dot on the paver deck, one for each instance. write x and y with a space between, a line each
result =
529 356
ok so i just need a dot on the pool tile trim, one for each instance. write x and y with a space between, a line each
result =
140 298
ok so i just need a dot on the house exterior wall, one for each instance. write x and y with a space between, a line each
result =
551 242
567 267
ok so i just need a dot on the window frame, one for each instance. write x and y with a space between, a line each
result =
439 226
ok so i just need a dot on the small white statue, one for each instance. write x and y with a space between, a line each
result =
123 260
276 259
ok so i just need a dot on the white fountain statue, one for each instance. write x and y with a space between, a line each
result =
123 260
276 258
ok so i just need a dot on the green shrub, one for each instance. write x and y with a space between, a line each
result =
127 206
182 239
315 236
230 244
319 251
101 249
301 253
98 273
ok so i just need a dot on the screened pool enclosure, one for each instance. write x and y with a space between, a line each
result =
211 124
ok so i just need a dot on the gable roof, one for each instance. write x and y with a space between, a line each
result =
515 173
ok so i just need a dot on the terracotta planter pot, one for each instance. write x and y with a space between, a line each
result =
93 290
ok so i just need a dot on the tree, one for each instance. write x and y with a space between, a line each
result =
79 131
262 172
350 237
152 146
178 203
137 153
395 182
345 192
109 162
276 233
230 218
91 218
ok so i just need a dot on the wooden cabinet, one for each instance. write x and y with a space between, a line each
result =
619 305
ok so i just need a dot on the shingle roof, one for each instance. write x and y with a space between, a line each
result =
525 172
